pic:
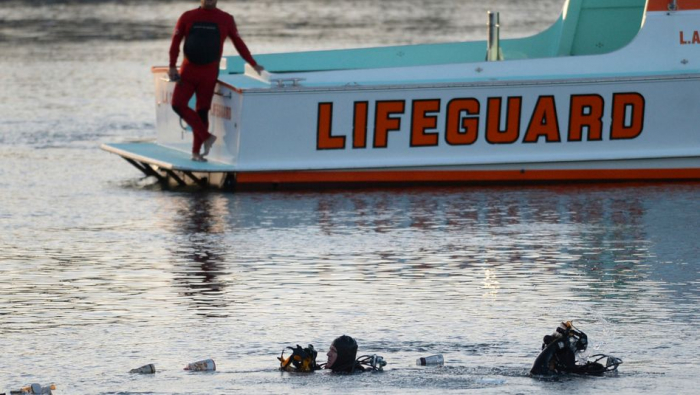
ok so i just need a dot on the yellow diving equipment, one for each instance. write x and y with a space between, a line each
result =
301 360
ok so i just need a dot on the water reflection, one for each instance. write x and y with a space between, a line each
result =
588 242
200 273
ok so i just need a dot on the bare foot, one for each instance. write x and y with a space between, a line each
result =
207 144
198 158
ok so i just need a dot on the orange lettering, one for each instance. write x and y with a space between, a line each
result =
494 134
544 122
622 127
325 139
683 39
466 131
359 127
420 122
586 111
383 123
696 37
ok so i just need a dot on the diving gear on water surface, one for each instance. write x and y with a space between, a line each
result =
374 363
364 363
301 360
341 358
559 351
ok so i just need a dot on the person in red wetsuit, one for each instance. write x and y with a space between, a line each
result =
205 30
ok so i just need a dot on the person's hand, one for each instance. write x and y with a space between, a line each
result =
173 74
259 69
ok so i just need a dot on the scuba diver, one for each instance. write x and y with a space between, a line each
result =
559 351
341 358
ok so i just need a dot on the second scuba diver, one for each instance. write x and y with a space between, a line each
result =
559 351
341 358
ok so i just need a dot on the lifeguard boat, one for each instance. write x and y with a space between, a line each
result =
610 92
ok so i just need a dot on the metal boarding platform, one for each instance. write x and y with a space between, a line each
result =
173 167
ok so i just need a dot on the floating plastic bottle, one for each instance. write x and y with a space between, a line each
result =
433 360
35 389
206 365
145 369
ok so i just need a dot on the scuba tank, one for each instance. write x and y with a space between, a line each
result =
559 351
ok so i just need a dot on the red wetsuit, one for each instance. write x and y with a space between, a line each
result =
205 32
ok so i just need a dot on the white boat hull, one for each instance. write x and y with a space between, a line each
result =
638 124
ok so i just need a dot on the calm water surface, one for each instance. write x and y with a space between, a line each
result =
102 271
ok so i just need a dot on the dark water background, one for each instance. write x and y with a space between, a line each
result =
102 271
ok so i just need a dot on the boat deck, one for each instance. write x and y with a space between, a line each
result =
151 153
168 164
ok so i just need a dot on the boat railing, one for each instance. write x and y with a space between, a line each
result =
493 45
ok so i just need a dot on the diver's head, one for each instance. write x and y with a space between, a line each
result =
208 4
342 354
